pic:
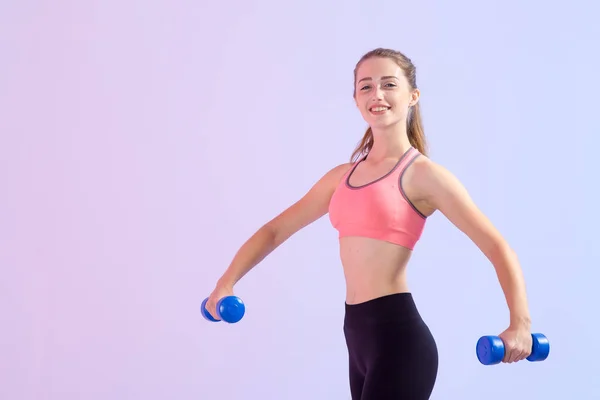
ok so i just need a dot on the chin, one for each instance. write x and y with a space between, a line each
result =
383 123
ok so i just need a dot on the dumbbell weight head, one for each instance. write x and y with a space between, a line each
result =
540 349
490 350
205 312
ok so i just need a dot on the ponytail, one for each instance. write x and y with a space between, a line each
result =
365 145
415 131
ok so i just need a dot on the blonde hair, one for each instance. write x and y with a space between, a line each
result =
415 131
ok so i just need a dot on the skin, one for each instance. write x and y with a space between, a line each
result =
431 188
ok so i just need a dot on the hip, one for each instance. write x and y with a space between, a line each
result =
395 308
390 324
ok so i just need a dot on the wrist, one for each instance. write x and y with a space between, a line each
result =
520 321
225 283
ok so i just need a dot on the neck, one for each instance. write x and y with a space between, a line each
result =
391 141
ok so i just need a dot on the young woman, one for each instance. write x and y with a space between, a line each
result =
379 203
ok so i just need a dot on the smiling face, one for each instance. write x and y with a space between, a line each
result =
382 93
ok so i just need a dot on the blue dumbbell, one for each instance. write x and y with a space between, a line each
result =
490 349
230 309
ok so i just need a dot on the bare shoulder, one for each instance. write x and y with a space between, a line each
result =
323 188
311 206
439 189
336 173
430 182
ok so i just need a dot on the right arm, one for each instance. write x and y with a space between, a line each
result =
312 206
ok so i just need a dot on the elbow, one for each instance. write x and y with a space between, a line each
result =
272 234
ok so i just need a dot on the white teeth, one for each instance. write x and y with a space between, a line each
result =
379 109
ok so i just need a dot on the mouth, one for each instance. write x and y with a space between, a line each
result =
378 110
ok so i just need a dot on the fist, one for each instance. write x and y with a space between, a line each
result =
517 344
217 294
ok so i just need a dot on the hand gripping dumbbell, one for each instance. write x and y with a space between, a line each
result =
230 309
490 349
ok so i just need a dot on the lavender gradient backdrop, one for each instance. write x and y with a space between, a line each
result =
143 142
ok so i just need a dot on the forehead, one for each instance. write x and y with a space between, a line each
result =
376 68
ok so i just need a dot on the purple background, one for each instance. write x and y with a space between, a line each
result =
141 143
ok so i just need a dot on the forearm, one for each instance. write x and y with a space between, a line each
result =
512 281
253 251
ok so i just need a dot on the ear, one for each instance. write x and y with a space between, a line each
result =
414 97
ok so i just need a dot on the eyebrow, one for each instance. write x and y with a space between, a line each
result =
383 77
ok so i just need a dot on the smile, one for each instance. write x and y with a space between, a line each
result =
379 109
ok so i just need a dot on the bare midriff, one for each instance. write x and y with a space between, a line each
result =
373 268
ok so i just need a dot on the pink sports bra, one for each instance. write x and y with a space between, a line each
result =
379 209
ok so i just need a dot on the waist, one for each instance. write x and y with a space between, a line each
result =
373 268
395 307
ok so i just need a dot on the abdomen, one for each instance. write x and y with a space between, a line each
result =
373 268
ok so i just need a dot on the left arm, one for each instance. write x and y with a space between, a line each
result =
442 191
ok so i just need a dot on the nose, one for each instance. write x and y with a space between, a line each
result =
377 94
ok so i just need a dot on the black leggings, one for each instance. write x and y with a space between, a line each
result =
392 353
